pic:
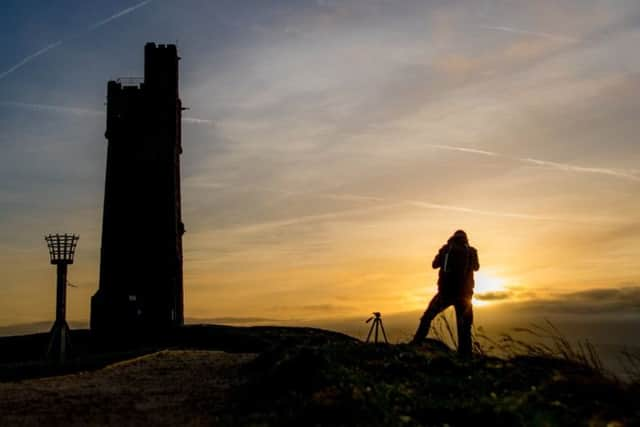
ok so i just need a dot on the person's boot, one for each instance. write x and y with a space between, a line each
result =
421 333
465 343
464 353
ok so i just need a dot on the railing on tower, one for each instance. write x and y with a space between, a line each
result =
130 81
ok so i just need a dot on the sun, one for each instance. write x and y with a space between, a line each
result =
487 282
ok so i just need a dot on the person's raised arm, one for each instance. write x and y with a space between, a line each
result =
475 263
437 261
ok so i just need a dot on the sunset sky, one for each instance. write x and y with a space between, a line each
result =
332 146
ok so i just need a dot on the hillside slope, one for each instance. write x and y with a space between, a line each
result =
289 376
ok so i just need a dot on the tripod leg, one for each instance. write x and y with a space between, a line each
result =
384 334
370 331
376 321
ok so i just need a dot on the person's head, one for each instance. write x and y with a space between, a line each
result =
459 237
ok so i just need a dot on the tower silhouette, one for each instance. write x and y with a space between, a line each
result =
140 287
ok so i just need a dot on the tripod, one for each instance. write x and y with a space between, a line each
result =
377 324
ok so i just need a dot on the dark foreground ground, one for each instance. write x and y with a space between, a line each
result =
211 375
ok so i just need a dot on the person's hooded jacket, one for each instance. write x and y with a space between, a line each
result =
456 280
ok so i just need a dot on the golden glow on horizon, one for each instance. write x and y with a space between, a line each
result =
487 283
345 153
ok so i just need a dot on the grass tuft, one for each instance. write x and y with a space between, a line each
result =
540 340
631 365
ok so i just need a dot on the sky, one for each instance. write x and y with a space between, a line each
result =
332 146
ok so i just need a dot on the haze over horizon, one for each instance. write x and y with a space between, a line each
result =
332 146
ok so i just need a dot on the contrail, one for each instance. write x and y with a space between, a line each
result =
461 209
551 36
572 168
84 111
58 43
465 150
384 203
308 218
30 58
617 173
118 15
390 204
197 121
53 108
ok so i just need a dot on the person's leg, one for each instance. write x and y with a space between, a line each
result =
464 320
438 304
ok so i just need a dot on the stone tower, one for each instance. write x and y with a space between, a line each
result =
140 287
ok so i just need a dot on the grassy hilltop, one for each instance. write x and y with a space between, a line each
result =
353 383
303 376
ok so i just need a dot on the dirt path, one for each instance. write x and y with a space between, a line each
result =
166 388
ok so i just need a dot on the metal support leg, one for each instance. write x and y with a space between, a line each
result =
59 342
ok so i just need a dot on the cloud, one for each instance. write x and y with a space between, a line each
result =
52 108
30 58
620 300
616 173
81 111
24 61
233 320
314 308
493 296
197 121
462 209
582 169
267 225
378 203
118 15
385 203
325 307
551 36
465 150
36 327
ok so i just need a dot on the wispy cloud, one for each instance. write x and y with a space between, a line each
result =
582 169
551 36
52 108
27 59
465 150
380 203
567 167
118 15
620 300
262 226
461 209
81 111
197 121
458 209
30 58
493 296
